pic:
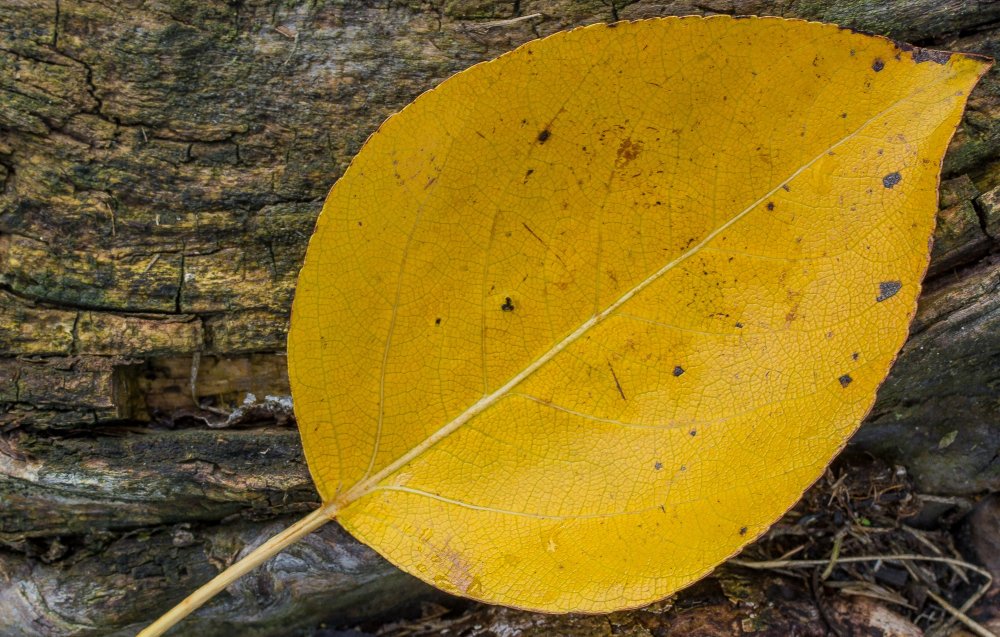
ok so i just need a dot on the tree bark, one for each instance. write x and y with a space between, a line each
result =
161 167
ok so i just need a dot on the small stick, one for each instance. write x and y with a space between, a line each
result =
494 24
837 543
920 536
957 613
258 556
903 557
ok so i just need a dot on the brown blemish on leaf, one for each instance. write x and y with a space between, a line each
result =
508 305
627 151
532 233
544 136
618 385
678 370
845 380
458 571
878 65
793 312
891 179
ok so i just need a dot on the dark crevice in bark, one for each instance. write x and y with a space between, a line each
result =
981 214
63 305
941 40
7 161
27 55
17 386
75 334
956 274
274 262
180 286
55 27
98 108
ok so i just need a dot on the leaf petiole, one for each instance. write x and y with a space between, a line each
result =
258 556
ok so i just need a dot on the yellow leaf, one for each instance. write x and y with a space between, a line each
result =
581 322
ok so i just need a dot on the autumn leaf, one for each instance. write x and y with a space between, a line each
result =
580 323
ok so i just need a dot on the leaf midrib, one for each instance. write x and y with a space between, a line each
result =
364 487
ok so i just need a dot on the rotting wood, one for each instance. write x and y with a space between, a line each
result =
161 168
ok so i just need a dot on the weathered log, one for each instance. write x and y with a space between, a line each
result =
326 575
161 168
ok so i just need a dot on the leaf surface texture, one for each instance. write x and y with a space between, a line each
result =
581 322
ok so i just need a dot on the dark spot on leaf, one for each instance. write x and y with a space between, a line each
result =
693 432
739 326
855 356
878 65
543 136
360 224
684 467
786 187
437 321
843 115
678 370
743 530
508 305
770 205
658 465
925 55
845 380
887 290
891 179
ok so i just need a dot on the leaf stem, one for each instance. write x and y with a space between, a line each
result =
258 556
